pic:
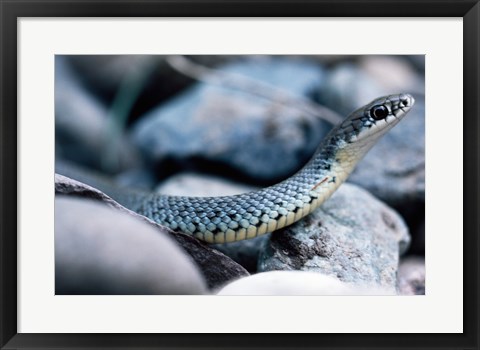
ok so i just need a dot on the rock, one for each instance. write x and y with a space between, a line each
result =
393 73
139 178
246 252
99 250
347 88
75 180
200 185
418 62
216 268
350 85
106 75
296 283
82 128
394 169
353 237
235 133
411 276
67 186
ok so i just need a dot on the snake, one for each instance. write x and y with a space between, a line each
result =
248 215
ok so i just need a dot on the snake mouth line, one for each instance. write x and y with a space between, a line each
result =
318 184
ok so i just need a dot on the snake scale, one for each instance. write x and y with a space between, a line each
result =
248 215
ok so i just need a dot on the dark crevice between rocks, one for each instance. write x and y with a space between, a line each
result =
414 170
217 268
413 212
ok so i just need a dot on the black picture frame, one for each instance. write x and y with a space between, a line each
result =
12 10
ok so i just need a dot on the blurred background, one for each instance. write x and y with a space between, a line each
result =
220 125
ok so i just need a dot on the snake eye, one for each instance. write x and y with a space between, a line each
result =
379 112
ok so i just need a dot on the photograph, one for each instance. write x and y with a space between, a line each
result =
239 174
234 175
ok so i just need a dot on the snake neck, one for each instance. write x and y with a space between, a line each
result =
329 167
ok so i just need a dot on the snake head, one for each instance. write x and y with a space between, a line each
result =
374 119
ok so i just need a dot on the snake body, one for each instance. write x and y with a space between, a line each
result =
248 215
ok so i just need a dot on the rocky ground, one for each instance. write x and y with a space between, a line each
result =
222 125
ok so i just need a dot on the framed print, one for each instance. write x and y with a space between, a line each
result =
237 174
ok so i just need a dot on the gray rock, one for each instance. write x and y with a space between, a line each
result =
82 131
394 170
246 252
352 84
105 74
347 87
67 186
353 237
411 276
216 268
73 179
99 250
297 283
241 134
393 73
200 185
418 62
139 178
